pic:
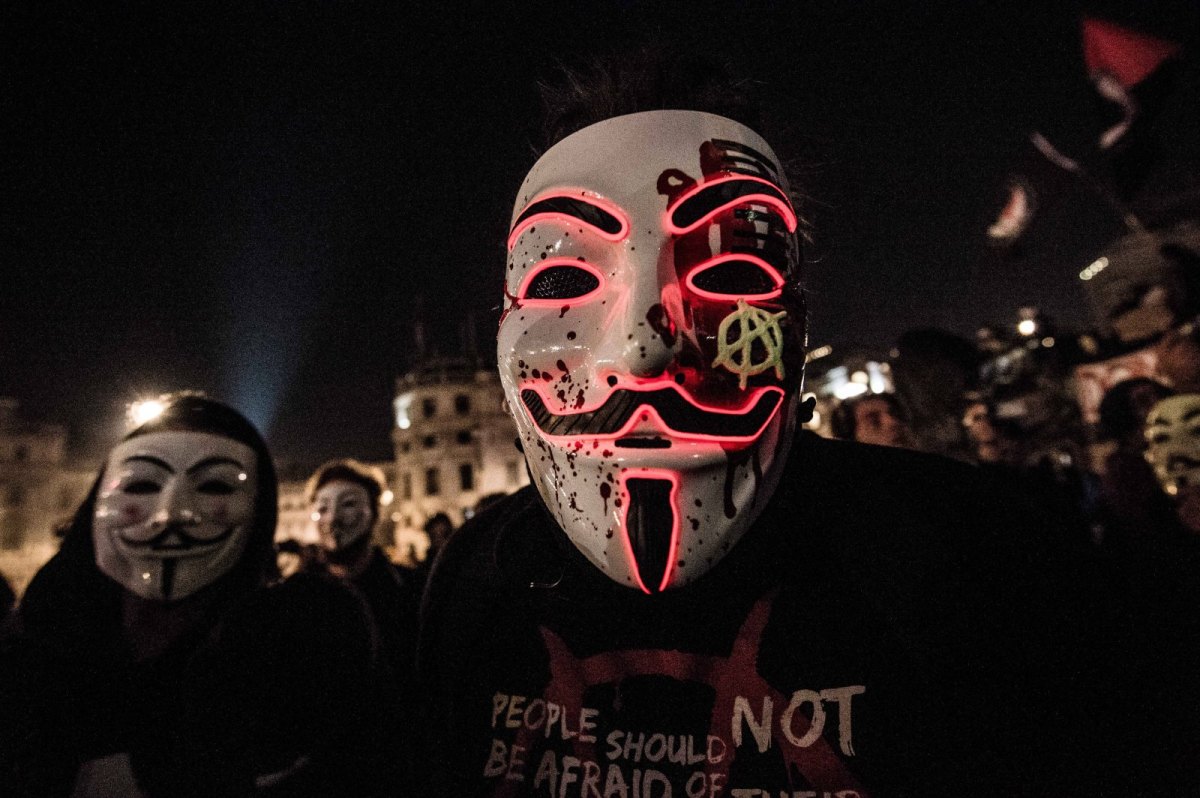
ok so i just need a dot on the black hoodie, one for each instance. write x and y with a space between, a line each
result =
242 696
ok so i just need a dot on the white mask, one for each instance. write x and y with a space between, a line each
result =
637 245
1173 442
342 512
174 511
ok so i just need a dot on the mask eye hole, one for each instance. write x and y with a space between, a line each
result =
215 487
142 487
555 282
735 276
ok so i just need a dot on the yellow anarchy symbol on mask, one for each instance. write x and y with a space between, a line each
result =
753 324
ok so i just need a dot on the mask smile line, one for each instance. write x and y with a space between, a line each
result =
187 543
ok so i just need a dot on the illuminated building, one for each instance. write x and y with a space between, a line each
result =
453 443
37 492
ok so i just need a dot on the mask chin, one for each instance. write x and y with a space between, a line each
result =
350 552
656 519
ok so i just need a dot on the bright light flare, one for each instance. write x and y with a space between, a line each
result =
848 390
1096 266
144 411
1027 327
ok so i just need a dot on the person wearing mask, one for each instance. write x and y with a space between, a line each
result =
155 656
693 596
344 496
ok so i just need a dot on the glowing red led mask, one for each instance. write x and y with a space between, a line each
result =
652 342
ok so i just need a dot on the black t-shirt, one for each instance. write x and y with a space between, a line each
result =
889 626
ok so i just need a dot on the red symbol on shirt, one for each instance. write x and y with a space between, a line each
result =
730 677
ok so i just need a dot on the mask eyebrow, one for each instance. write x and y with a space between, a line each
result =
212 461
602 217
152 460
700 203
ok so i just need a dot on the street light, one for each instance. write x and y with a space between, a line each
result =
144 410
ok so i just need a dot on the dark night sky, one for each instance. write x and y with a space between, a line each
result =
258 202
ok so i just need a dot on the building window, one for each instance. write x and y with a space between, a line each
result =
466 476
462 404
433 484
463 436
429 441
429 407
406 484
514 476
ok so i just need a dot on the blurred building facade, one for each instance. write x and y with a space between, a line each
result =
38 491
454 445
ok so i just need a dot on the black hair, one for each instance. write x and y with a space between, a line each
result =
655 77
1118 416
646 78
438 518
347 470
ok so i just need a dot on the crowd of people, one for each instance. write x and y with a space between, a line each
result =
695 596
1109 484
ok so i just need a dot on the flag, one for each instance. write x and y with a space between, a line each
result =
1133 75
1037 181
1118 60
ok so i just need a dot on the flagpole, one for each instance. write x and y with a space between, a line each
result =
1052 154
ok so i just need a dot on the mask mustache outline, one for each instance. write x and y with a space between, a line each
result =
188 543
666 402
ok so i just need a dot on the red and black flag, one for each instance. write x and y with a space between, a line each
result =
1119 61
1133 74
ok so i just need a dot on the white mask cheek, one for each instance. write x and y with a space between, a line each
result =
117 512
193 573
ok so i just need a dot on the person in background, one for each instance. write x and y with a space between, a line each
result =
439 528
1172 434
1178 357
1133 507
1160 572
874 418
991 442
344 496
153 655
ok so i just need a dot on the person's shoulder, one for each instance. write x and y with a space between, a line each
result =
472 545
887 474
